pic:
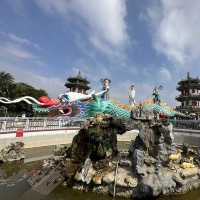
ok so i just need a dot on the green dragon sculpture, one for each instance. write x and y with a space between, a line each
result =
98 105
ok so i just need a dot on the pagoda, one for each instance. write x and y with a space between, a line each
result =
189 97
77 84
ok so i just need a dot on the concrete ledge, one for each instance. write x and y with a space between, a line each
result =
128 136
187 136
177 130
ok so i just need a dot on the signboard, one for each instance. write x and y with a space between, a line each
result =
19 132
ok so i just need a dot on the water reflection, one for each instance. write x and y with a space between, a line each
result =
195 195
62 193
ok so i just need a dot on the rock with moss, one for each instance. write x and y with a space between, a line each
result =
12 152
97 140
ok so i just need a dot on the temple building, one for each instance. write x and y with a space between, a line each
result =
189 97
77 84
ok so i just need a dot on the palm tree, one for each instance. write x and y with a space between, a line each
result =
6 83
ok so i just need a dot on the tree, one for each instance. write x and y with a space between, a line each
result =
12 90
23 89
6 83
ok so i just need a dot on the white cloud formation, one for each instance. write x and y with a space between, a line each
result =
93 74
17 57
164 75
105 20
13 50
53 85
176 29
19 40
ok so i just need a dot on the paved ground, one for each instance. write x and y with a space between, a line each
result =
38 139
38 147
55 138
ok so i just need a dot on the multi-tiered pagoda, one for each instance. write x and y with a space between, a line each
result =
77 84
190 96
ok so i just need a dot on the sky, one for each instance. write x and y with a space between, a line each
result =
141 42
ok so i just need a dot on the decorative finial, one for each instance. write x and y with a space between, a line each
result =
188 75
79 73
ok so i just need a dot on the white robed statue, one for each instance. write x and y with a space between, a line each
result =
131 94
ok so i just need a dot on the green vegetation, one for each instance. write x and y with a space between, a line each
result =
6 83
12 90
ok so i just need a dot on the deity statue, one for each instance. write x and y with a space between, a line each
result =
106 87
131 94
156 94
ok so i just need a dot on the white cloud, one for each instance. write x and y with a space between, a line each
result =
53 85
19 40
22 64
13 50
23 41
92 74
104 20
18 58
176 29
164 74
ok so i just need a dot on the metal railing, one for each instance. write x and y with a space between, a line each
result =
186 124
9 124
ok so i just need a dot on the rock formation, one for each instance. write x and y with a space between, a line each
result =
98 138
12 152
158 163
155 165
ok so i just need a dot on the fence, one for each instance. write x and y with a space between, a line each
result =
10 124
30 124
186 124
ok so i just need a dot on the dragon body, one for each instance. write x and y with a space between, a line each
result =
83 105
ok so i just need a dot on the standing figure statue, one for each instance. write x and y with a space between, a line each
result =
131 95
106 87
156 94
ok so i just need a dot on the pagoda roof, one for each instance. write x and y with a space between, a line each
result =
78 77
188 83
188 97
80 85
188 86
77 81
189 79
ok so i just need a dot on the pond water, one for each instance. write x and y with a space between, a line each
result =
63 193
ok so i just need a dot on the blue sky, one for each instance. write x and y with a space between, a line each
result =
145 42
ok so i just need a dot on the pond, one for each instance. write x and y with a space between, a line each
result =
63 193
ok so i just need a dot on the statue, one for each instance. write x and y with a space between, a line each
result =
131 94
156 94
106 87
